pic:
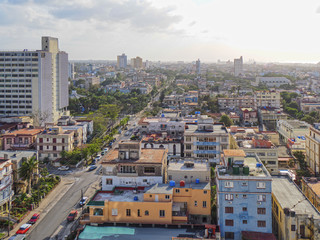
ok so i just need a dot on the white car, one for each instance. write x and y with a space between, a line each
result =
63 168
98 157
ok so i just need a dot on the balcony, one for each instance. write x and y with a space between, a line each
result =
20 145
206 143
206 152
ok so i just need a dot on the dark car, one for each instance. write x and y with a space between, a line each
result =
34 218
91 168
72 215
83 201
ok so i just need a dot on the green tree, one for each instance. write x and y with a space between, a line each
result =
226 120
27 170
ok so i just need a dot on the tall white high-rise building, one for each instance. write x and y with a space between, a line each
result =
122 61
34 83
238 66
198 67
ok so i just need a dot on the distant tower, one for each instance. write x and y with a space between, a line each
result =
198 67
122 61
238 66
136 62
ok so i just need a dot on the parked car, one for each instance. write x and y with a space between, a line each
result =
63 168
93 161
18 237
92 167
98 157
34 218
106 150
102 153
72 215
24 228
83 201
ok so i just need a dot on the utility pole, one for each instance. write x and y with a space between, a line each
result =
9 213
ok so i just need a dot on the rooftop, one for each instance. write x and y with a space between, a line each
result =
193 129
147 156
24 131
182 165
313 183
119 196
15 155
296 123
289 196
234 153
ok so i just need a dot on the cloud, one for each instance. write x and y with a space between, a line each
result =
318 10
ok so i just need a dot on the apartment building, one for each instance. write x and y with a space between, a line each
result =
243 195
156 141
313 149
267 99
188 170
34 82
52 141
273 81
131 166
205 139
294 217
136 62
162 125
238 66
122 61
6 182
236 103
172 203
270 117
293 133
21 139
249 116
310 187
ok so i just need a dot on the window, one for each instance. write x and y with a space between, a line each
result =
244 209
188 146
40 140
195 203
167 197
62 148
244 196
146 213
177 190
62 140
9 140
229 222
128 212
229 235
228 184
54 148
114 212
302 231
149 170
109 181
162 213
98 212
138 213
261 211
228 210
188 139
244 221
261 185
54 140
261 198
293 227
204 204
41 148
205 192
244 184
261 223
229 196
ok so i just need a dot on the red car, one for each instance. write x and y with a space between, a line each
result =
34 218
24 228
72 215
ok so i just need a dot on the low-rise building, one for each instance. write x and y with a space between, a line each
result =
293 131
243 195
188 170
236 103
131 166
205 139
6 182
310 187
158 204
313 149
155 141
249 116
294 217
270 116
273 81
52 141
21 139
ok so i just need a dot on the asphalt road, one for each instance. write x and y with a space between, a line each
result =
56 217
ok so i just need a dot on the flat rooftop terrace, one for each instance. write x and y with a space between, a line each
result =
289 196
134 233
120 196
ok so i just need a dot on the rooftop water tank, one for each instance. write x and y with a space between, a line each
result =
135 198
172 183
182 183
246 170
235 170
259 165
197 181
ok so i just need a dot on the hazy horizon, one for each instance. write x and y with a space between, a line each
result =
167 30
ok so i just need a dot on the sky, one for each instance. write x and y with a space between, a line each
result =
167 30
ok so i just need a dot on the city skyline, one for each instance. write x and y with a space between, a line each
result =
266 31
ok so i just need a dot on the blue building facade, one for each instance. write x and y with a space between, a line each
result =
244 198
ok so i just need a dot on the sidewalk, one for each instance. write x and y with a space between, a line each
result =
47 203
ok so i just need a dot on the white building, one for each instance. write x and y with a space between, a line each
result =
238 66
272 81
34 82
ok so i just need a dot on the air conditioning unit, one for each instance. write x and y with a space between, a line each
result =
259 203
230 202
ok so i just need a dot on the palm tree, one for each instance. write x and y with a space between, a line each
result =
27 170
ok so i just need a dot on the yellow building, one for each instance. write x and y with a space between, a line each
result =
293 216
158 204
311 188
313 149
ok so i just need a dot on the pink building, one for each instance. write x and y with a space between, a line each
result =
21 139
